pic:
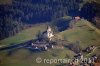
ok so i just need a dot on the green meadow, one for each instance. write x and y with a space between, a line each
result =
84 32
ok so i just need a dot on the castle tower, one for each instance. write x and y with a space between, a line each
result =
49 33
49 29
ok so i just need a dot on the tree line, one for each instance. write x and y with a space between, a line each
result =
21 14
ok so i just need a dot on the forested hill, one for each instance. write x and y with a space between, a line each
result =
32 11
16 15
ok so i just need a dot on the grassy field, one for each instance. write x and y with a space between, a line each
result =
25 35
84 32
23 57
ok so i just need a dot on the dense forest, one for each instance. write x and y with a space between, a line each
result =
21 14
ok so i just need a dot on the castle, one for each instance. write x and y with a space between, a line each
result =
48 34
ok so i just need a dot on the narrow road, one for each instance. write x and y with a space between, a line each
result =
16 45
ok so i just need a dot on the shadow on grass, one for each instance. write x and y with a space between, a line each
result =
11 49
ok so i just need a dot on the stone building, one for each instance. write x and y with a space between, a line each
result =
48 34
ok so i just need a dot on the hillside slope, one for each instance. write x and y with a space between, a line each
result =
24 35
83 31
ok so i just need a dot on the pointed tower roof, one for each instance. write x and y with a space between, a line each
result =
49 29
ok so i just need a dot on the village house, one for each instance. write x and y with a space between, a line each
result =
90 48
